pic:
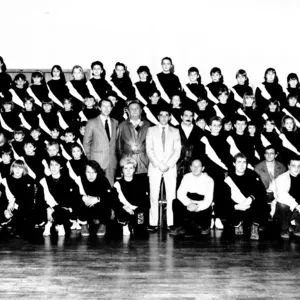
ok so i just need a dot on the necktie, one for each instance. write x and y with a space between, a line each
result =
107 129
163 137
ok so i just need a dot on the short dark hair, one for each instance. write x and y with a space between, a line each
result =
271 147
95 166
294 157
107 100
240 155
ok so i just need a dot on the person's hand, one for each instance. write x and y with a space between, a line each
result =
49 214
91 201
128 209
163 167
248 201
192 207
10 206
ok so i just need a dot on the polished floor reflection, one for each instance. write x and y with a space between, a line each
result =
154 267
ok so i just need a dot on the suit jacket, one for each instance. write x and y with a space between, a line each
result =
96 144
129 143
156 155
262 170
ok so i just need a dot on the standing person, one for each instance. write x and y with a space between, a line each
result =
131 138
247 198
167 82
99 140
191 146
5 79
163 149
288 197
97 85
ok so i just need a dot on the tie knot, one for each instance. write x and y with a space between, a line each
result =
163 128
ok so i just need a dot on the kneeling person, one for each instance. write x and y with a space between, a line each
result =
193 203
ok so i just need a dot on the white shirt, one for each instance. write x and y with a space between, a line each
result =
187 129
202 185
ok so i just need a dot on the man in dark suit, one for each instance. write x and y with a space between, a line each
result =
192 147
268 170
99 140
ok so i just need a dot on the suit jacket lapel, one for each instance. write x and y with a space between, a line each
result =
101 127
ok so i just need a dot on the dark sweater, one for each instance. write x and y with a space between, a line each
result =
170 83
101 86
59 89
40 91
146 88
125 86
5 82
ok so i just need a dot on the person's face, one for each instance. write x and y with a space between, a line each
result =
29 149
7 107
187 117
20 83
294 167
241 79
47 107
67 105
6 158
215 127
193 76
52 150
91 174
215 77
272 107
202 104
128 170
82 130
120 71
269 126
17 171
105 108
176 101
143 76
270 155
196 168
18 137
2 139
69 137
55 168
113 100
166 65
228 126
89 102
289 124
76 153
56 73
154 98
249 101
251 130
28 105
54 134
223 98
164 118
202 124
37 80
134 111
97 71
292 101
240 126
293 83
240 166
77 74
270 76
35 134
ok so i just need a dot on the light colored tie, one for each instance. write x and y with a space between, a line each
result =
163 137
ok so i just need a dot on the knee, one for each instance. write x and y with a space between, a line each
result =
280 207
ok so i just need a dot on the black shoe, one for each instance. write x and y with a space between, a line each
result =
297 231
177 231
152 229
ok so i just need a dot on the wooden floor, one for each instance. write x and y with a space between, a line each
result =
155 267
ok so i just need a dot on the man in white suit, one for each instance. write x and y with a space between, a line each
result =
163 148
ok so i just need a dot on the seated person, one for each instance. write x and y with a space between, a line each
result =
132 203
288 198
94 207
61 195
19 191
268 170
193 203
247 203
7 159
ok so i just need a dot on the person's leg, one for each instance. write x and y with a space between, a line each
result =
110 175
170 184
284 216
154 182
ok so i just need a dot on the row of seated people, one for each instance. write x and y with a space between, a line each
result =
89 202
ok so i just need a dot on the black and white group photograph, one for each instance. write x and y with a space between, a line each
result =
149 150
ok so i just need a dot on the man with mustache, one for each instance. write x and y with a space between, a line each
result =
192 147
